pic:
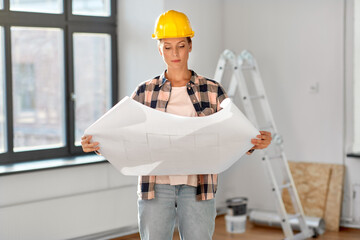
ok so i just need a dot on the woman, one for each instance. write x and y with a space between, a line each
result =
180 91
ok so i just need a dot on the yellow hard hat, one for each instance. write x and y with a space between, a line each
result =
172 24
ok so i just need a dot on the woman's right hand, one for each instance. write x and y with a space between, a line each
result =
88 146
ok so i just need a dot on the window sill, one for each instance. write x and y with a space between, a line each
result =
50 164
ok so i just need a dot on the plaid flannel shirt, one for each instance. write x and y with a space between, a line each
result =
206 96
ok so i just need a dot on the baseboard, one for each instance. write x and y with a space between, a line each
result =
221 210
110 234
350 225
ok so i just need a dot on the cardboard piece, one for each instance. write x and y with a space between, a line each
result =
311 181
334 198
319 187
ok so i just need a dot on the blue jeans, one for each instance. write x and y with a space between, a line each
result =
157 216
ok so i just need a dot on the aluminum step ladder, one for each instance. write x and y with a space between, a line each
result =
242 68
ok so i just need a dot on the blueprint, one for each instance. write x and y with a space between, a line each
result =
139 140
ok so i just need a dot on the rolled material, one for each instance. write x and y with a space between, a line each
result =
272 219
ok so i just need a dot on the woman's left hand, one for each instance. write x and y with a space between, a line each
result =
262 141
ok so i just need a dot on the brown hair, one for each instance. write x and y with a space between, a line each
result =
187 38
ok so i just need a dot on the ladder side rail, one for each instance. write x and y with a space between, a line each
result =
306 232
253 67
244 94
220 69
285 224
225 56
232 86
295 197
298 205
260 88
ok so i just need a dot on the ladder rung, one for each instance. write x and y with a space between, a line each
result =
295 216
286 185
256 96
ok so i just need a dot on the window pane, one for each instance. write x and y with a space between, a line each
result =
91 7
42 6
1 4
38 88
92 71
2 94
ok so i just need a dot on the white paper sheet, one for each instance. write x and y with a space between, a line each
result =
139 140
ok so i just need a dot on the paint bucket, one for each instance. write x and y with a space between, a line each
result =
236 215
235 224
236 206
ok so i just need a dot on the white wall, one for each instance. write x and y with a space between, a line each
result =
297 44
139 59
66 203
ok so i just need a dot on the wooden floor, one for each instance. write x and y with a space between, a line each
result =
262 233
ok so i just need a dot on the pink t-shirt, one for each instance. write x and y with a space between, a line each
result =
179 104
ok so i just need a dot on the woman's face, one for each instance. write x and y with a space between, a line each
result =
175 51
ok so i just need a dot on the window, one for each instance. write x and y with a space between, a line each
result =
92 78
38 88
41 6
356 148
91 7
57 75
